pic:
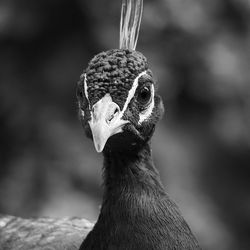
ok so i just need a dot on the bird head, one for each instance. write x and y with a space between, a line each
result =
117 100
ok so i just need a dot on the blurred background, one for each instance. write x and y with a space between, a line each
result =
199 52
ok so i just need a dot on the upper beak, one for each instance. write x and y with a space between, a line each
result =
105 121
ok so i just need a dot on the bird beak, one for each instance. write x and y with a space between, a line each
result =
105 121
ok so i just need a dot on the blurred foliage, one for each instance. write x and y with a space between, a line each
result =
199 52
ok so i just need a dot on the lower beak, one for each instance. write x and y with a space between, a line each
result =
105 121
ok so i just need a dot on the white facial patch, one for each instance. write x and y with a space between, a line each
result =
131 92
86 92
146 113
86 87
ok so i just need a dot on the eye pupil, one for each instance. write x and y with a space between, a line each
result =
144 95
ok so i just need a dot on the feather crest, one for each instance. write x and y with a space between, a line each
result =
131 14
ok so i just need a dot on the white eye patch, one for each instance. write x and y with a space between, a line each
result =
86 92
86 87
132 91
145 114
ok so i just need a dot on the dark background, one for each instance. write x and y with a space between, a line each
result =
199 52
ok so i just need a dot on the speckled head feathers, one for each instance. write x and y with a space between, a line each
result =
116 93
114 72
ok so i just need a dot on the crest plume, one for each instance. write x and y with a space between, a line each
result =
131 14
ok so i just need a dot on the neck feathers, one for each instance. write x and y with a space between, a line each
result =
131 171
136 212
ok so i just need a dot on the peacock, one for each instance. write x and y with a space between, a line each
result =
119 108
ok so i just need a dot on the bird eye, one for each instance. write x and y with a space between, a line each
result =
144 95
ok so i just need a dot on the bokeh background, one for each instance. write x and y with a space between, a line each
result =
200 54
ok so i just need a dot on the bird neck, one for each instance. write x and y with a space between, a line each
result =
136 212
131 172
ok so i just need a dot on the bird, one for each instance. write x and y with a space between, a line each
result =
119 108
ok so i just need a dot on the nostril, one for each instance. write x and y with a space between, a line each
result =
110 118
116 111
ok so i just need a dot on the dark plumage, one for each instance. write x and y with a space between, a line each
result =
119 110
136 212
113 72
